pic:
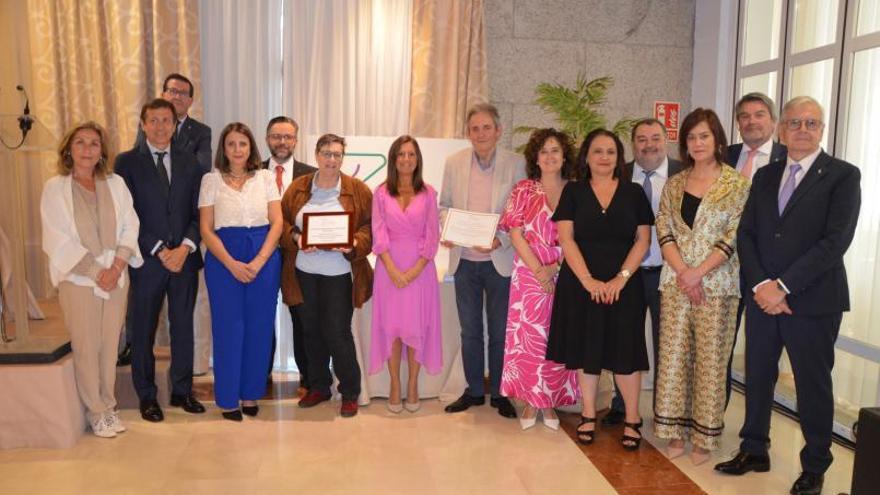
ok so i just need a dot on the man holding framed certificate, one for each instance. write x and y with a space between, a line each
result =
476 184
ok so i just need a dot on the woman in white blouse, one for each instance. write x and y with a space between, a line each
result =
241 222
90 233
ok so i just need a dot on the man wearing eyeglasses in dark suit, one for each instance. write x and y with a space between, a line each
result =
281 138
797 224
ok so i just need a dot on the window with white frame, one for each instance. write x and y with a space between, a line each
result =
830 50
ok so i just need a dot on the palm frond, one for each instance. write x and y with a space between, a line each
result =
576 108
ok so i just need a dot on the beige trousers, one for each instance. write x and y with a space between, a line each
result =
94 325
695 344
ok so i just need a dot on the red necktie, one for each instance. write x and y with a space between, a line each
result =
279 172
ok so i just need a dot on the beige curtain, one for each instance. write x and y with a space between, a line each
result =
85 60
448 66
101 60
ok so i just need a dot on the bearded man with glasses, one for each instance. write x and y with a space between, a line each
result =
281 138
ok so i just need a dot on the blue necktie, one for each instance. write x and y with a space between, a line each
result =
646 185
649 192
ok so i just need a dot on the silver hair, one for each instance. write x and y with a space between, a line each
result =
803 100
484 108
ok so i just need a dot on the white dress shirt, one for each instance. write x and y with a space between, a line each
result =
166 160
658 181
761 159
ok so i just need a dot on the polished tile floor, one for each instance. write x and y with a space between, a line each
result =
291 450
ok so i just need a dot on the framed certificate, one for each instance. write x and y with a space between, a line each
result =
326 230
469 229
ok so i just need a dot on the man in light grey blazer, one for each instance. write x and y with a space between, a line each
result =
480 179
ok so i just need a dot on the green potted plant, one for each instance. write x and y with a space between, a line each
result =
577 108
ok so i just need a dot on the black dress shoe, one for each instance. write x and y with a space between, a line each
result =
614 417
232 415
464 402
151 411
745 462
188 403
808 484
505 408
124 358
251 411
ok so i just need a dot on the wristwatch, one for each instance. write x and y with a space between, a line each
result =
625 273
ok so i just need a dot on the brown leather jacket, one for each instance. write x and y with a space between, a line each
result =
354 196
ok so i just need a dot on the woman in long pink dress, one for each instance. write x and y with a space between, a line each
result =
527 375
406 293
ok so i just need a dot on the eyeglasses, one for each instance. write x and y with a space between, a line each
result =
795 124
177 92
331 154
282 137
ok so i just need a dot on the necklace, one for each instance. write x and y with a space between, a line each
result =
237 176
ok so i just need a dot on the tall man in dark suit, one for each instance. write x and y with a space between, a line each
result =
756 121
190 135
797 224
650 169
164 183
281 138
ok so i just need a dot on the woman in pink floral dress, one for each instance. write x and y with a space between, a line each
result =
527 375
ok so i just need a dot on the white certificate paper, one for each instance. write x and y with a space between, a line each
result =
469 229
328 229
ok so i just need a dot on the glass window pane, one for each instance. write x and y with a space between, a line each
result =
869 17
861 148
762 29
814 80
815 24
855 386
764 83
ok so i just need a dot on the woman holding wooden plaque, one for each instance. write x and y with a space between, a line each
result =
325 240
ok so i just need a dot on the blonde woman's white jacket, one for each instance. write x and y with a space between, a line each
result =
61 242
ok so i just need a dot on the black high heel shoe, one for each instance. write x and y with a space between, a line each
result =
632 443
586 437
232 415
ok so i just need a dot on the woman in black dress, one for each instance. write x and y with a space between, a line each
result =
597 323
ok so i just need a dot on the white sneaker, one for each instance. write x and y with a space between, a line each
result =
111 420
100 428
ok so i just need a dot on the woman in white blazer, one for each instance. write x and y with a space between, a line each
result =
90 233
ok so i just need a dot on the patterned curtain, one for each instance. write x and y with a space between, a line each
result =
448 66
102 60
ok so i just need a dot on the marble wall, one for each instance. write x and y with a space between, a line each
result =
646 45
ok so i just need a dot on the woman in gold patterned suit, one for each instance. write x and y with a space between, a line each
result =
699 213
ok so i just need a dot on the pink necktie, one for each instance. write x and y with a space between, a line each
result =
750 162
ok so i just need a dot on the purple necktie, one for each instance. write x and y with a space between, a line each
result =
788 188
